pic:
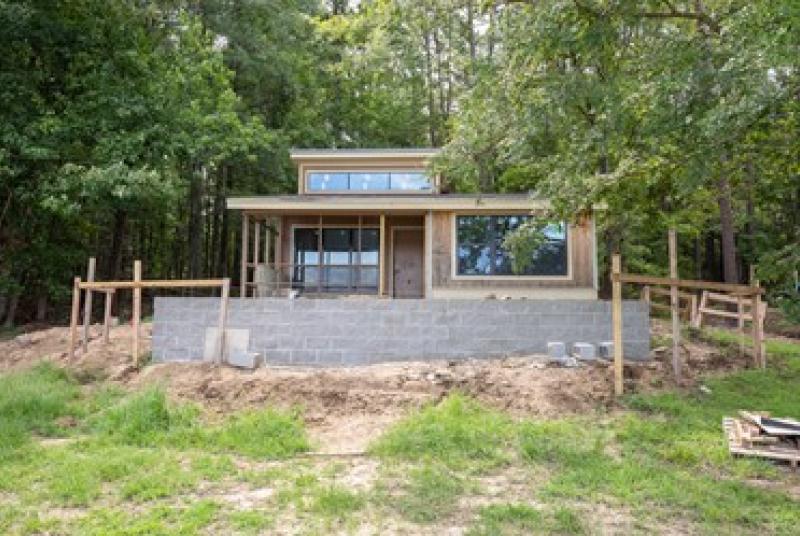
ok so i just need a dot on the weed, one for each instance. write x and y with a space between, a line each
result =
507 520
457 431
143 419
263 434
250 521
31 401
431 492
334 501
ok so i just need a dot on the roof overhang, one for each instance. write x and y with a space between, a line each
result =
388 203
309 155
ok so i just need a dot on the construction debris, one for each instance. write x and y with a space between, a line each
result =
758 434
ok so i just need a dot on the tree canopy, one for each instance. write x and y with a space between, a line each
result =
124 125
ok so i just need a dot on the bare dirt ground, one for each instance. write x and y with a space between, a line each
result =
345 408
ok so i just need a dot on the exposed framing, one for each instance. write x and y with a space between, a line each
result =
454 252
321 225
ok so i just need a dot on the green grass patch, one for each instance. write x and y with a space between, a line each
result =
336 501
144 419
31 401
458 431
157 521
250 521
507 520
431 493
730 340
671 452
264 433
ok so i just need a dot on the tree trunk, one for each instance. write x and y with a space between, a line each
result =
195 228
728 232
41 308
12 310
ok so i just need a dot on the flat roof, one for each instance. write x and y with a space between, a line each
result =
310 154
388 203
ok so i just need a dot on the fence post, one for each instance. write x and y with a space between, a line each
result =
87 305
107 315
616 320
674 306
137 309
223 319
73 321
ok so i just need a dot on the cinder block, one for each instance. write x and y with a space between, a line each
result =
243 359
556 350
584 351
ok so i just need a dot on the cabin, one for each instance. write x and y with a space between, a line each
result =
375 222
373 261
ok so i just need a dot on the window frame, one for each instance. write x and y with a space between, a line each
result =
367 291
377 170
455 276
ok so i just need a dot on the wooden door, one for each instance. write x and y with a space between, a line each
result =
407 266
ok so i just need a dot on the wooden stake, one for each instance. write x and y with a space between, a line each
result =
137 310
73 322
243 271
87 305
223 320
740 323
756 313
107 315
674 307
616 319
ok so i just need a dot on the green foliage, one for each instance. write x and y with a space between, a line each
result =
457 431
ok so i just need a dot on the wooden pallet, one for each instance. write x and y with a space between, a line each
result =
746 439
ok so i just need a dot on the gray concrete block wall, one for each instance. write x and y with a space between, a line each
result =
350 332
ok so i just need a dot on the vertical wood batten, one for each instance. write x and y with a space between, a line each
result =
616 319
673 302
243 269
382 255
137 310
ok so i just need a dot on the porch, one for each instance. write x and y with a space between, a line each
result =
328 255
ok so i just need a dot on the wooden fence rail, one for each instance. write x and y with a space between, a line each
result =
735 294
110 287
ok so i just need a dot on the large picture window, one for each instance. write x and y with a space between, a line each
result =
345 260
368 181
480 250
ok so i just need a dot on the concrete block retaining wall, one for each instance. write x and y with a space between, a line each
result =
353 332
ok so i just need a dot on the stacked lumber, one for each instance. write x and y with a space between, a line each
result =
758 434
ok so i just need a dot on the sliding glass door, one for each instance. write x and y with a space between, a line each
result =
341 260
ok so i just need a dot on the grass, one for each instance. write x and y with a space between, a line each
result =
138 463
456 432
30 403
431 492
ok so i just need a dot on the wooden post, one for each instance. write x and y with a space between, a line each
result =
257 243
616 319
646 297
243 270
87 305
73 322
107 315
755 313
382 259
740 322
137 309
223 319
692 309
674 305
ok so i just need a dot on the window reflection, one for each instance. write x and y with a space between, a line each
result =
362 181
348 260
480 250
